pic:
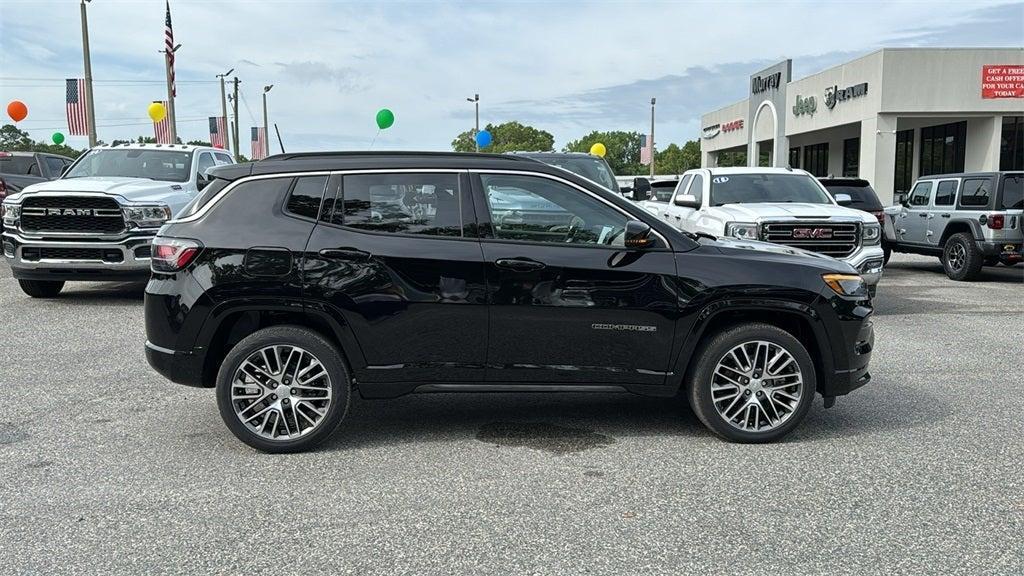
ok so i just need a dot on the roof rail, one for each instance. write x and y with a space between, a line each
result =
364 154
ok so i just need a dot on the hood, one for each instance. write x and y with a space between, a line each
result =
777 252
131 189
758 212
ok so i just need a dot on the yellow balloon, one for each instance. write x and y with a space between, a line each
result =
157 111
598 149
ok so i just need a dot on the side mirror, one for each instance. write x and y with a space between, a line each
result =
687 201
641 188
901 199
844 199
638 235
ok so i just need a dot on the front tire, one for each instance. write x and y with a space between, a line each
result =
886 253
41 288
961 258
752 383
283 389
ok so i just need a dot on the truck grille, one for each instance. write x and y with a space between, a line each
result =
85 214
34 254
830 239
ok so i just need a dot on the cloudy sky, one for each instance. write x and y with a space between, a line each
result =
567 67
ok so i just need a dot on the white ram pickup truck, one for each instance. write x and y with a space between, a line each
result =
777 205
96 221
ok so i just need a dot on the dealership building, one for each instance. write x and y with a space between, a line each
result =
888 117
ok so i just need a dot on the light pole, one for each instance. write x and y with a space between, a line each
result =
651 143
476 126
224 107
266 132
234 110
90 109
168 54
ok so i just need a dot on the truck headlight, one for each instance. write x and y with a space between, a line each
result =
147 216
846 284
871 234
11 213
741 230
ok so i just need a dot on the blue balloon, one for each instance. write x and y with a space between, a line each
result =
483 138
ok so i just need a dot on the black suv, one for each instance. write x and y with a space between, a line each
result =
293 282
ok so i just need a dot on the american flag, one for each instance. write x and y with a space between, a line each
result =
78 124
163 127
646 149
218 131
169 47
259 143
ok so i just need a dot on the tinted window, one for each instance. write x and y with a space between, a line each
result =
535 209
429 204
22 165
697 188
922 192
663 191
54 165
758 188
307 192
945 193
204 197
593 168
1013 192
976 192
863 197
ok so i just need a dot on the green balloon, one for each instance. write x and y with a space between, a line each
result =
385 118
58 138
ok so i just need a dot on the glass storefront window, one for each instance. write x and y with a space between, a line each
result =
904 177
851 157
943 148
816 159
1011 150
794 157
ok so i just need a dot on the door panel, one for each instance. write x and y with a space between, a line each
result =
942 210
912 222
415 300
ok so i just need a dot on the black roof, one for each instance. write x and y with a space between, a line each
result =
969 174
843 181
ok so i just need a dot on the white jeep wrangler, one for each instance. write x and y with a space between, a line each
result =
777 205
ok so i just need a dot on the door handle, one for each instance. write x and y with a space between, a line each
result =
945 215
518 264
923 215
345 252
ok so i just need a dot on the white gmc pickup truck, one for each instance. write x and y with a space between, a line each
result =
777 205
96 221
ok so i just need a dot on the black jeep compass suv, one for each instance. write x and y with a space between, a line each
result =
292 283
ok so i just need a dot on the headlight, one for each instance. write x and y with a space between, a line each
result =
11 213
846 284
871 234
741 230
147 216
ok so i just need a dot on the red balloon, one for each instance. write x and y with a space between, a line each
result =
17 110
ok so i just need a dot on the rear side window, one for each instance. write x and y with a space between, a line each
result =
1013 192
429 204
862 196
305 197
945 193
976 192
21 165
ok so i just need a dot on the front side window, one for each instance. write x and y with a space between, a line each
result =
945 193
54 165
697 188
428 204
763 188
922 192
305 196
976 192
536 209
681 187
205 163
164 165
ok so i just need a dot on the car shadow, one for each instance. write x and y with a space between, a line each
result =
97 293
1000 273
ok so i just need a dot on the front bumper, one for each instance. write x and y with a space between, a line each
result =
78 258
858 341
868 260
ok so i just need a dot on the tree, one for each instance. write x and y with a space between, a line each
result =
15 140
676 160
623 150
728 159
507 137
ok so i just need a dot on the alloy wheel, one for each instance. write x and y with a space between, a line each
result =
756 386
956 256
281 392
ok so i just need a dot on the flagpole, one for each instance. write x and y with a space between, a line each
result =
651 143
234 107
89 108
170 93
266 128
224 108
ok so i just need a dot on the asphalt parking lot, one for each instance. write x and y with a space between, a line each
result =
107 468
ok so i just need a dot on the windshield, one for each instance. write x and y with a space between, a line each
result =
1013 192
590 167
765 188
168 165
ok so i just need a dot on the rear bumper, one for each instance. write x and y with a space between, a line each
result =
78 258
177 366
1008 252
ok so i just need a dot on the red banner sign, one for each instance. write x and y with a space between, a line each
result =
1005 81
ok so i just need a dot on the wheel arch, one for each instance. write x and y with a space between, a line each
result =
960 225
797 318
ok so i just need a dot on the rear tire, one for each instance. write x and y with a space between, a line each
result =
291 409
745 417
961 258
41 288
887 252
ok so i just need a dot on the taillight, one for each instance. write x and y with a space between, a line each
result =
879 215
996 221
173 254
3 189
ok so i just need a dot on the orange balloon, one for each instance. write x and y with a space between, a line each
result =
17 110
